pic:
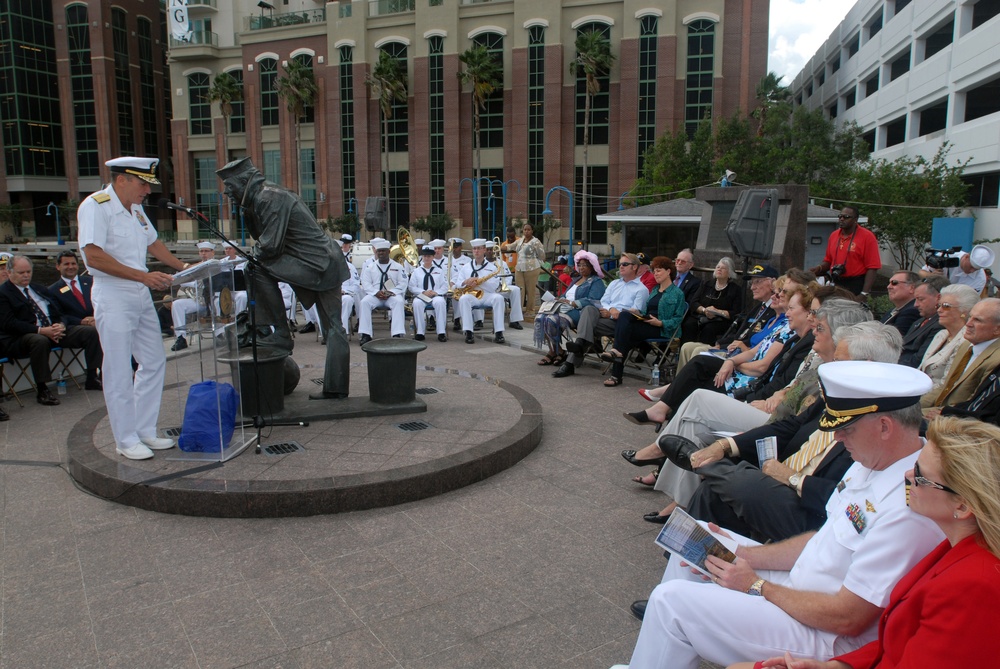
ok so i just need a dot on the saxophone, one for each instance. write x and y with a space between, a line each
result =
473 290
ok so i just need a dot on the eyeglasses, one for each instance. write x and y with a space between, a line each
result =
927 483
896 282
819 328
841 217
813 312
681 261
945 306
626 264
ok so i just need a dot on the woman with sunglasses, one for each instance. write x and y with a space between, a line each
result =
942 613
585 289
954 305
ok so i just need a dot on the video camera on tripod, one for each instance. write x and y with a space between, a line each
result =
942 258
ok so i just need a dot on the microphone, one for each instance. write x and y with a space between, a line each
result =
164 203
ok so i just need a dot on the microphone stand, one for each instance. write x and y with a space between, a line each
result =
253 265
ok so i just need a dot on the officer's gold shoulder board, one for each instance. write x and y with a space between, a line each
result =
101 198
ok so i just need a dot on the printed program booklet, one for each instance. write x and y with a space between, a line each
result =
767 449
693 542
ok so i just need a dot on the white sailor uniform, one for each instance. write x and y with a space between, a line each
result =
429 279
373 277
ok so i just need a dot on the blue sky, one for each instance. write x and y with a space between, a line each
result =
797 29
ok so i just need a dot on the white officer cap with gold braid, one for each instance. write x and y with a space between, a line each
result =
855 388
144 168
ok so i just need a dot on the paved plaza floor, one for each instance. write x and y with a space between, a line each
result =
534 567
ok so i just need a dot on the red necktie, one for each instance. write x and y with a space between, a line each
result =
77 294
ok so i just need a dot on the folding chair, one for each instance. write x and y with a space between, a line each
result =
63 366
22 368
665 352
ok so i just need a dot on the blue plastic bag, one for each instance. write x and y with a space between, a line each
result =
210 405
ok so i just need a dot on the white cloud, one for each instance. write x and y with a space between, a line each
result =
797 29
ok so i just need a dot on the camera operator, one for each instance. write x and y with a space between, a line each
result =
852 257
959 266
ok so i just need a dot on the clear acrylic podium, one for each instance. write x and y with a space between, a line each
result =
205 294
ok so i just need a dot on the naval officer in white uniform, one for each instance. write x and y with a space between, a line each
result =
115 235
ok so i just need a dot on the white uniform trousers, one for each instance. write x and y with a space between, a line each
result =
688 618
180 312
312 315
396 306
127 323
346 307
440 307
288 297
513 299
702 412
468 302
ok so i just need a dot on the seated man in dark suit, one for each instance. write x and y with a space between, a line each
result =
788 495
904 312
72 292
31 325
685 280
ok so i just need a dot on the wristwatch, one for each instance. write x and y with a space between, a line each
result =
794 481
757 588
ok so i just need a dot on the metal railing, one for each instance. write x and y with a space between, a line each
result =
203 3
387 7
196 38
272 20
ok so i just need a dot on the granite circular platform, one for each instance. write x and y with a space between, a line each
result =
473 427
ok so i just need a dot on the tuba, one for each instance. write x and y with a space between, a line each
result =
404 250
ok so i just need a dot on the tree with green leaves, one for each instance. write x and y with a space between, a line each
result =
915 191
225 90
483 72
592 62
387 83
770 93
297 87
436 226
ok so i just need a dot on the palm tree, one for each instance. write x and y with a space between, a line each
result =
593 61
770 94
387 82
298 88
484 73
225 90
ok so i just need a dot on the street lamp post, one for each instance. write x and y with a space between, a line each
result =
548 210
621 207
48 212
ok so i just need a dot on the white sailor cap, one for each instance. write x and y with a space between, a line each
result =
381 244
5 258
346 239
426 250
438 243
855 388
478 241
144 168
490 243
457 241
419 242
210 246
376 239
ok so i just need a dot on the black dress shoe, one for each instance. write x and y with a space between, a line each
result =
469 339
498 338
638 608
442 337
516 326
477 326
565 369
655 517
630 456
419 337
4 416
457 325
46 397
179 345
677 449
93 384
637 417
364 339
575 347
307 328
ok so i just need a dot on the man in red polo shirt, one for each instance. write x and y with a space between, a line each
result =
852 257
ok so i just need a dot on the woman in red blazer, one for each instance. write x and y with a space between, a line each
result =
944 612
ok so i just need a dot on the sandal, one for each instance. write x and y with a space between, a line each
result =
559 359
612 356
643 479
547 360
612 381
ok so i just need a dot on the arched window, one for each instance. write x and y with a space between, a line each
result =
238 118
123 82
347 128
268 69
491 117
647 87
435 82
536 121
399 125
200 108
600 104
700 74
309 111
